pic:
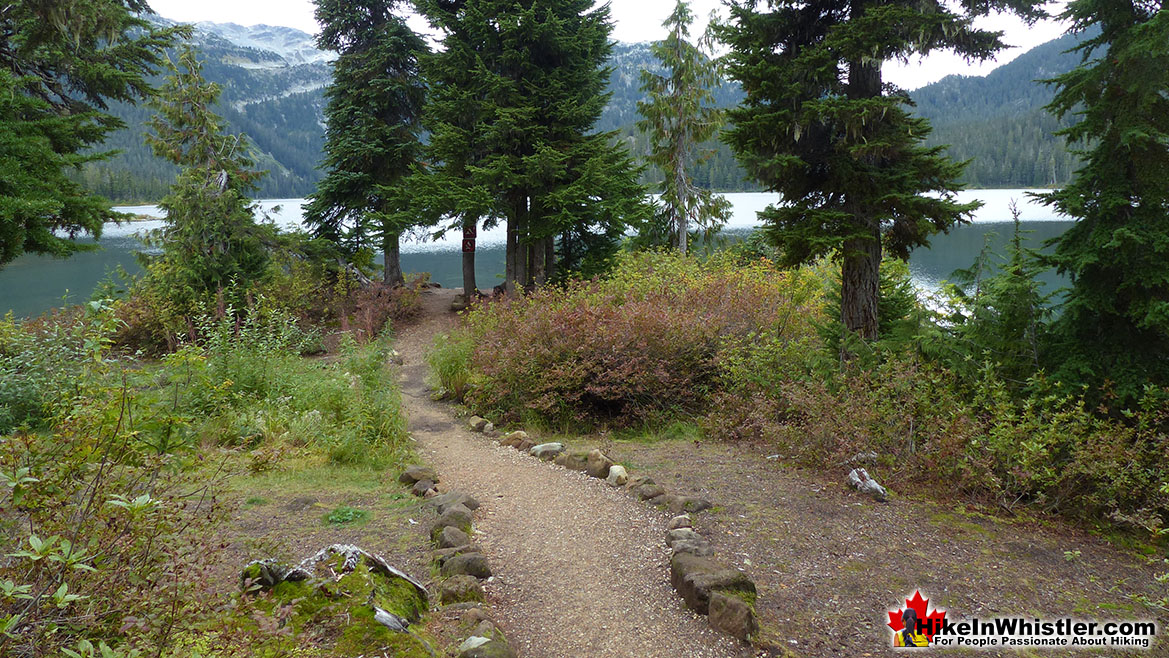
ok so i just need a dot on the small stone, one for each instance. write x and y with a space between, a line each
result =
476 424
513 439
396 358
421 487
450 537
617 476
459 303
488 428
638 480
450 499
860 480
573 461
700 547
488 642
526 445
471 564
440 556
430 493
460 588
691 504
680 534
472 616
414 474
598 464
666 500
682 521
454 517
546 451
648 491
733 616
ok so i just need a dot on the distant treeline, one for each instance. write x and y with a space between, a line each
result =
996 122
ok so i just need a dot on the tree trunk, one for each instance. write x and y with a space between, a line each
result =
469 235
521 251
509 270
860 270
549 257
393 270
860 285
680 189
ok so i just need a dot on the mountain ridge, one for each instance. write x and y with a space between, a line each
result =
273 80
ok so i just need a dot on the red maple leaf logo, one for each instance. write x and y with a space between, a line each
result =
932 622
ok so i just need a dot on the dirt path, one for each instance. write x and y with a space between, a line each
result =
580 568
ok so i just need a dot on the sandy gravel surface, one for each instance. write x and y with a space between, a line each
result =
581 569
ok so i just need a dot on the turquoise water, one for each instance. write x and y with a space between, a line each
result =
33 284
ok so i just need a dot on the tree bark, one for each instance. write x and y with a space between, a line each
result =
469 236
393 258
549 257
860 285
521 251
509 270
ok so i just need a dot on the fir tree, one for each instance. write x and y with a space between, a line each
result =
61 62
518 89
373 117
211 240
679 116
1004 311
1115 321
820 127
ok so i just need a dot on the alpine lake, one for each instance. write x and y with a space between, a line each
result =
31 285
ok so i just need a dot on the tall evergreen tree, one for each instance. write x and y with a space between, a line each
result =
679 116
211 239
61 61
1115 322
820 126
373 117
518 88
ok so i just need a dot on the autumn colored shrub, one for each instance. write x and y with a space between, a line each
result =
643 343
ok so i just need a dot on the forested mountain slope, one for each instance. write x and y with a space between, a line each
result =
273 81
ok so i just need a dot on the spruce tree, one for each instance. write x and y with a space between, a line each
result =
518 87
679 116
1115 321
821 127
211 240
61 62
373 124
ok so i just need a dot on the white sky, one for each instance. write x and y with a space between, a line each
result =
636 20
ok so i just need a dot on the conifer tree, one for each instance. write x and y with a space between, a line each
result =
211 239
518 87
819 126
679 116
1115 322
61 61
373 118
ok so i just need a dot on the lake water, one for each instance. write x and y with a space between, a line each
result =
33 284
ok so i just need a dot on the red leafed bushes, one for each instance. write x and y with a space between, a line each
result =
643 343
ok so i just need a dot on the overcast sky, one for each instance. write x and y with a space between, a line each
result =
636 20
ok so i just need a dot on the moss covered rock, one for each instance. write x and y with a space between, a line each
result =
337 593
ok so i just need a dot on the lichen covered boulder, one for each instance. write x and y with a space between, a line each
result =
352 597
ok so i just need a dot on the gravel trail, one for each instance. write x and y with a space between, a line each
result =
581 568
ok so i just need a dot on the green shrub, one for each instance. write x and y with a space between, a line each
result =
643 343
344 515
449 359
